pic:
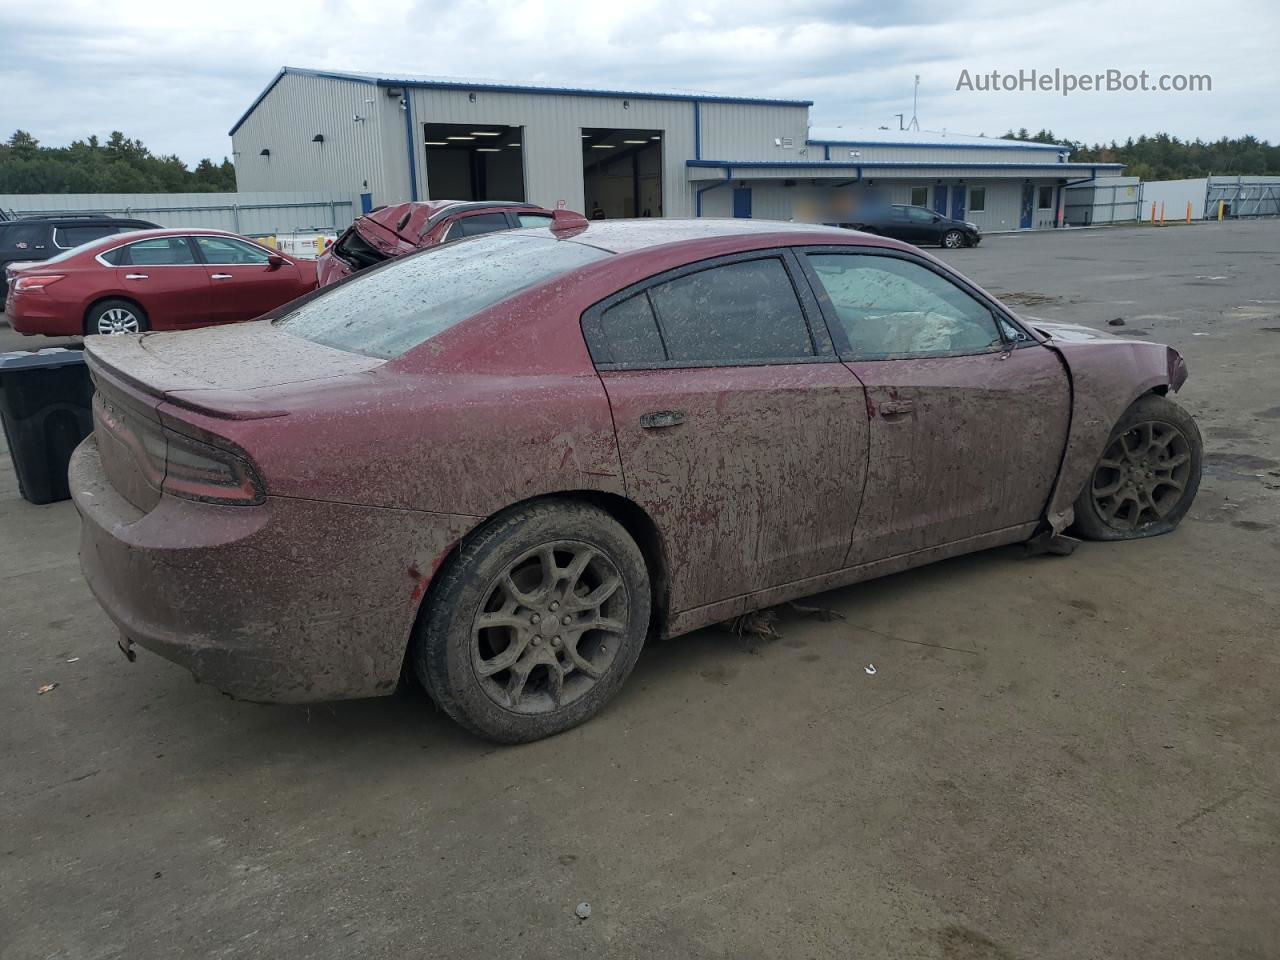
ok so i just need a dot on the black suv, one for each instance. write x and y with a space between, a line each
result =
918 225
39 238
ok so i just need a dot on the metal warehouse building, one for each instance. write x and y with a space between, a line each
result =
631 153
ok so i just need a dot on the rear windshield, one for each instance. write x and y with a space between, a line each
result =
392 309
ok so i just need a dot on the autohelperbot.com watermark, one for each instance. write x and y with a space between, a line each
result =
1066 82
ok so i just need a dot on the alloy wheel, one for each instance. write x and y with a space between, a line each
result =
952 240
1142 475
549 628
117 320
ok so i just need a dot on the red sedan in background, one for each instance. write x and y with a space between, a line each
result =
154 280
405 227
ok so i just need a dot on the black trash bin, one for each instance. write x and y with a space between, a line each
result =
46 401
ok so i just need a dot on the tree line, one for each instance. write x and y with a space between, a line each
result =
120 165
1165 157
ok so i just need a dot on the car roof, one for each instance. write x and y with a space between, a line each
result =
628 236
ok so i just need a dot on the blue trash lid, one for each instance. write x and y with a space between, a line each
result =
44 359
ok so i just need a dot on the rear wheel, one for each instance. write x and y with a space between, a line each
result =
112 317
1147 477
535 623
953 239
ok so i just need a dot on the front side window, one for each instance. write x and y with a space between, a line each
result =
158 252
534 219
739 312
919 196
1046 198
919 215
891 308
225 251
389 311
977 199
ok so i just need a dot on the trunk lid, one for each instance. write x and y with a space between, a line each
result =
221 371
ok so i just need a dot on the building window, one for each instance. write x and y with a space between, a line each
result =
919 196
977 199
1046 198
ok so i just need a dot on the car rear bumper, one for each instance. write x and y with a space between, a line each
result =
290 601
39 313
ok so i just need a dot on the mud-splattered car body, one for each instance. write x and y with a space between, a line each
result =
270 511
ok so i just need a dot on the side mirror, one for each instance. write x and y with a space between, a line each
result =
275 261
936 218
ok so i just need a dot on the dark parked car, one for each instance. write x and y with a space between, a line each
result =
918 225
405 227
505 463
154 280
39 238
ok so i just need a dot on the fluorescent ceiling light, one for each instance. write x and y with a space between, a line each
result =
585 136
486 133
461 138
635 141
655 138
602 146
488 149
436 143
513 144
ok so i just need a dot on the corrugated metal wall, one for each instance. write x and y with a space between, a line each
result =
1104 200
741 131
957 154
287 120
552 137
247 213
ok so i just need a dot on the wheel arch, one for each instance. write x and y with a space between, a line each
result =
632 517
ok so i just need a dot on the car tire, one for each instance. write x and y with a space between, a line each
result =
1147 477
501 646
116 317
953 240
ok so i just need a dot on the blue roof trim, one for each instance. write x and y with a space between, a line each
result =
946 145
506 88
299 71
581 92
897 164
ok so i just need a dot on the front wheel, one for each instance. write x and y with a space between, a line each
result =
1147 477
535 623
953 239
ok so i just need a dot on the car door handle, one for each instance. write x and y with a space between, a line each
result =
135 276
221 276
661 418
896 408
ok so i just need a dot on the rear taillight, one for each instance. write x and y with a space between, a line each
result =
198 471
37 282
177 464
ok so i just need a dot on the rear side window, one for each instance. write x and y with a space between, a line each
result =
631 332
480 223
389 311
745 311
117 257
159 252
534 219
68 237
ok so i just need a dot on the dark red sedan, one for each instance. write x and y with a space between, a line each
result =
405 227
154 280
507 462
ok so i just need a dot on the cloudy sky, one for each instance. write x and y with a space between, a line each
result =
178 75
